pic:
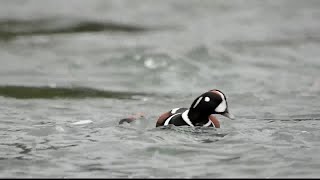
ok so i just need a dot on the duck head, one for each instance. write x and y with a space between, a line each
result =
211 102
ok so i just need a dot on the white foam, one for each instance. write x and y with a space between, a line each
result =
59 128
151 63
82 122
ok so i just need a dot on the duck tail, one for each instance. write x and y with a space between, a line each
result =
132 118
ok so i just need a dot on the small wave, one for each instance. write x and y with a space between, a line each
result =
24 92
274 42
274 117
11 28
24 148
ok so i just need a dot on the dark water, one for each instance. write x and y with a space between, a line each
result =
71 69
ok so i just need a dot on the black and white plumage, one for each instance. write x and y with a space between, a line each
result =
198 114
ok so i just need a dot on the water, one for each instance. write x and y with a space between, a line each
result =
71 70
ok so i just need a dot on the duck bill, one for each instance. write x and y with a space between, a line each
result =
228 115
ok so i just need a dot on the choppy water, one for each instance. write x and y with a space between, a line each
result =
63 62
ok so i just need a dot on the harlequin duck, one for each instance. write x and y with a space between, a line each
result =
200 113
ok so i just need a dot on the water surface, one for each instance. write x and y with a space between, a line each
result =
99 61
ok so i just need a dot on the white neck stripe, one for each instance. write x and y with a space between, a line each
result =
186 118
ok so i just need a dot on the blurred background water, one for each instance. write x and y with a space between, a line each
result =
64 62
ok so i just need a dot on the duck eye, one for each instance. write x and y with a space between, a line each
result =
206 99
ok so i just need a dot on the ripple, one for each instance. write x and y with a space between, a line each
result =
23 147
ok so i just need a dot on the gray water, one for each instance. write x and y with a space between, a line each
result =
63 62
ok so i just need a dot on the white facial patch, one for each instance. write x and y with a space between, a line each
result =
206 99
223 105
196 104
